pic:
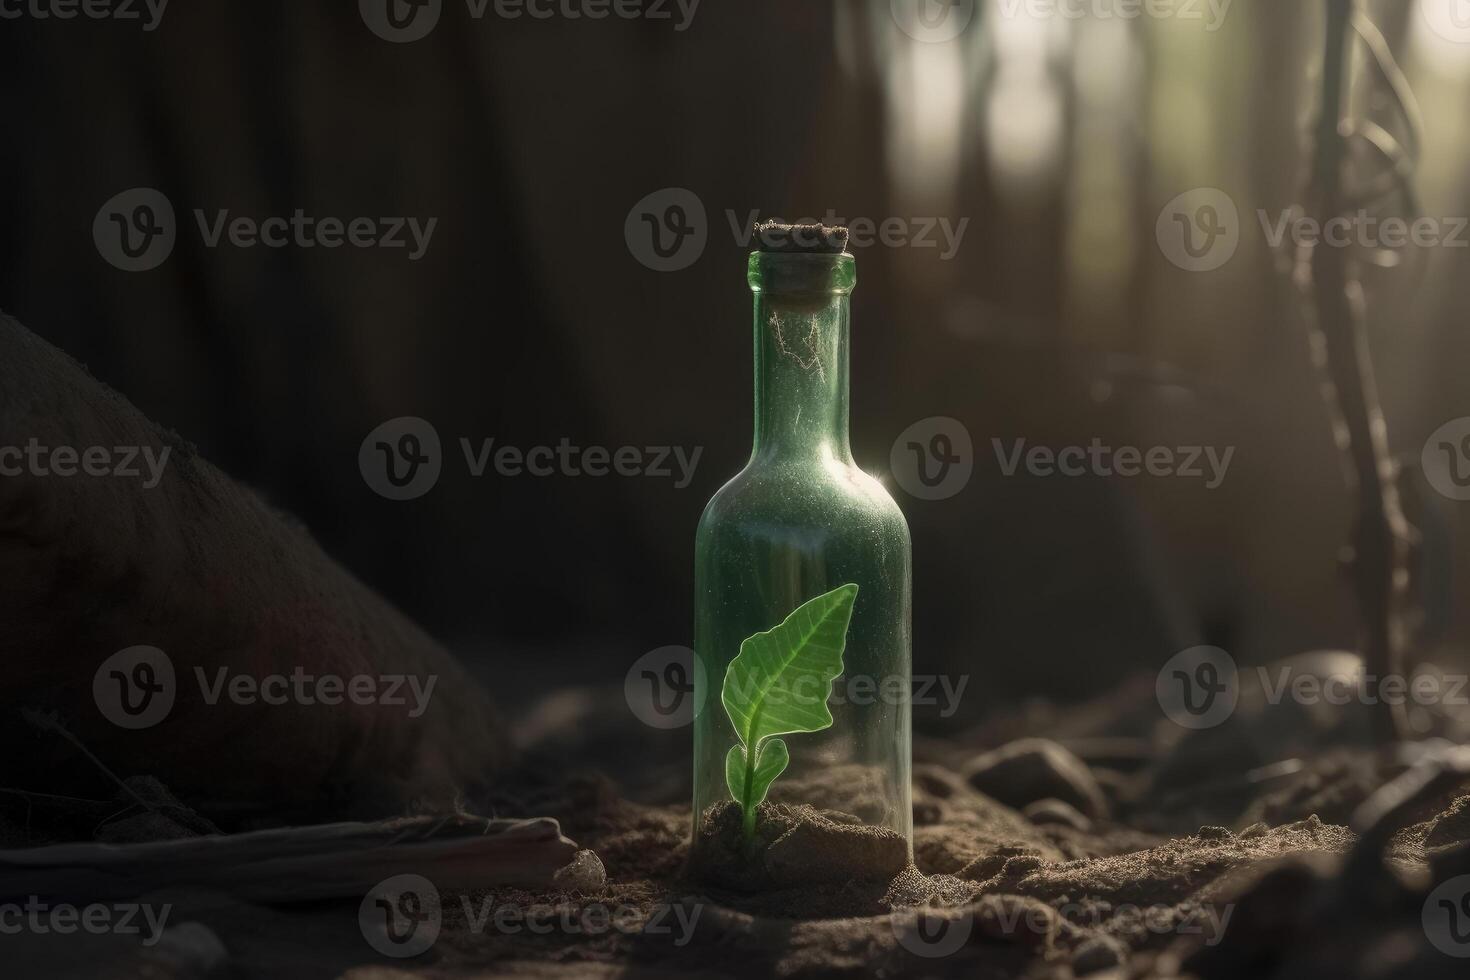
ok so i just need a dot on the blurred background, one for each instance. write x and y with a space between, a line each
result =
530 317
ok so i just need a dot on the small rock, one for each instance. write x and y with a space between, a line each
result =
190 948
584 873
1451 827
1095 955
927 813
1045 812
1033 769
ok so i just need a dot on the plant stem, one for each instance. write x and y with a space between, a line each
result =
1381 536
746 806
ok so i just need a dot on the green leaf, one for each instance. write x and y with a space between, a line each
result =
779 685
771 760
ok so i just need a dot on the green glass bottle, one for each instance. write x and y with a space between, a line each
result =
799 521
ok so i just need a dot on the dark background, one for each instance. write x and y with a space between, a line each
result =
529 320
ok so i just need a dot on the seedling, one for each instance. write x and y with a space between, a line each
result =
779 685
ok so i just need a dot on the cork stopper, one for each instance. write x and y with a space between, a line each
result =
773 236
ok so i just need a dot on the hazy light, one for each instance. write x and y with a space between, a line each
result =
1025 115
1024 129
926 95
1440 36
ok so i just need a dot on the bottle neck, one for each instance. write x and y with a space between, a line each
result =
802 307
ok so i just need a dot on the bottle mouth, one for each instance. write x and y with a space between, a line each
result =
804 263
802 275
812 239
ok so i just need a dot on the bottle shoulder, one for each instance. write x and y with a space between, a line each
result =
805 492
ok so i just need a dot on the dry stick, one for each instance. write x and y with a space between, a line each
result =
1380 545
48 723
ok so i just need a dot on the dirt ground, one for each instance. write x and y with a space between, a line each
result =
1281 844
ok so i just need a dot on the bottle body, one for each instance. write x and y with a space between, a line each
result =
800 520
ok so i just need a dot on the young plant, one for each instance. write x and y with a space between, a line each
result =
779 685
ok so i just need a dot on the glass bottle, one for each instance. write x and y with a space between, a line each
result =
799 521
